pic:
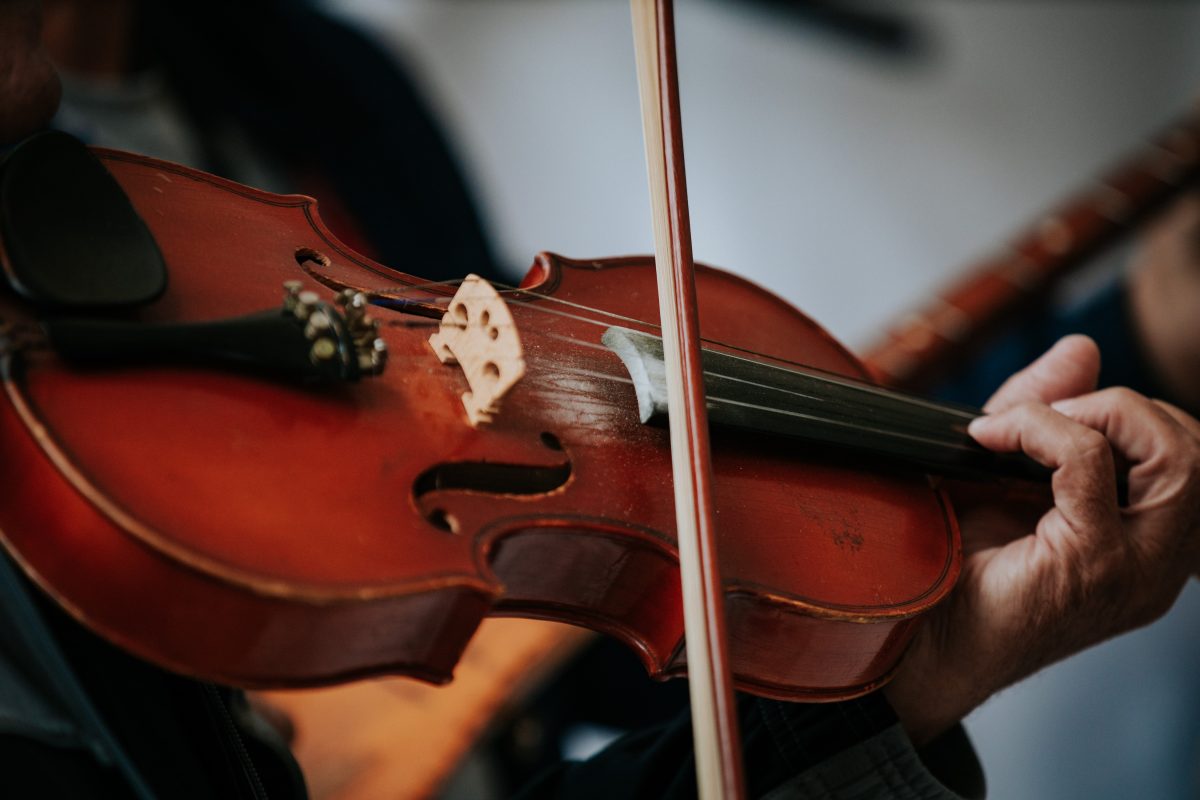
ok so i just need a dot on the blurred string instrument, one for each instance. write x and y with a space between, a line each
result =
932 341
341 478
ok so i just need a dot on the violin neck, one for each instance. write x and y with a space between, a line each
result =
822 409
932 341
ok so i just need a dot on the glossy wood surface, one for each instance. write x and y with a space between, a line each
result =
266 534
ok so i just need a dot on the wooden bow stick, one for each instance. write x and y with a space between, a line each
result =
714 719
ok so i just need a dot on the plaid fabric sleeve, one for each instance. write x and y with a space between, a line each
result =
857 750
831 751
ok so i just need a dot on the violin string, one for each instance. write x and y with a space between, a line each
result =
542 299
512 290
449 283
749 355
882 432
540 307
935 423
843 382
508 289
889 397
816 374
578 341
934 437
407 323
591 373
505 289
936 434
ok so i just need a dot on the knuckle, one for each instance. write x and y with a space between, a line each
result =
1027 408
1124 397
1018 414
1182 465
1092 448
1123 394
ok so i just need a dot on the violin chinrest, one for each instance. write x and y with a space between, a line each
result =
70 237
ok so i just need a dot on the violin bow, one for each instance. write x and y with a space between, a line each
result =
714 717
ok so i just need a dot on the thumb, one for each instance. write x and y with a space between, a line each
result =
1067 369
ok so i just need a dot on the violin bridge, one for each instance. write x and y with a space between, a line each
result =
478 333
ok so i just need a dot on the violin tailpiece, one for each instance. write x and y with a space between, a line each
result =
306 340
72 241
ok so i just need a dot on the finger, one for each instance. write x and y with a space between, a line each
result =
1192 426
1069 368
1162 450
1084 482
1189 423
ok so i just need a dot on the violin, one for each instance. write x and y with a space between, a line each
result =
267 488
267 532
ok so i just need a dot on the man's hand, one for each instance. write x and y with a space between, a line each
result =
29 87
1089 568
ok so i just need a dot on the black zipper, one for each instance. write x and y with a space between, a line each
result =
233 741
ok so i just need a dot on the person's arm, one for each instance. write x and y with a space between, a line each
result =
1089 568
818 751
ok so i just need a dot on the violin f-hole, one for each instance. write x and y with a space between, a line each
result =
483 477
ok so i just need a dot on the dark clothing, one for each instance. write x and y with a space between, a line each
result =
853 749
80 718
1106 317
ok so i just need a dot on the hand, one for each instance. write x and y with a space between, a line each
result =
29 87
1089 568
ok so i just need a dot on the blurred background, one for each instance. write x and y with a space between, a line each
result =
818 158
852 157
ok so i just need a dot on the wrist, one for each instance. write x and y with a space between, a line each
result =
928 695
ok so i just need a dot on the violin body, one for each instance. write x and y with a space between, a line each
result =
264 533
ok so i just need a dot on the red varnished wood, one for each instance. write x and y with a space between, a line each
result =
260 533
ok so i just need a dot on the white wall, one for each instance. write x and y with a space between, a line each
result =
811 168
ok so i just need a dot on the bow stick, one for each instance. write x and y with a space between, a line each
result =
714 719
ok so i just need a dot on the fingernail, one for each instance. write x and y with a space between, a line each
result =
976 426
1063 406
